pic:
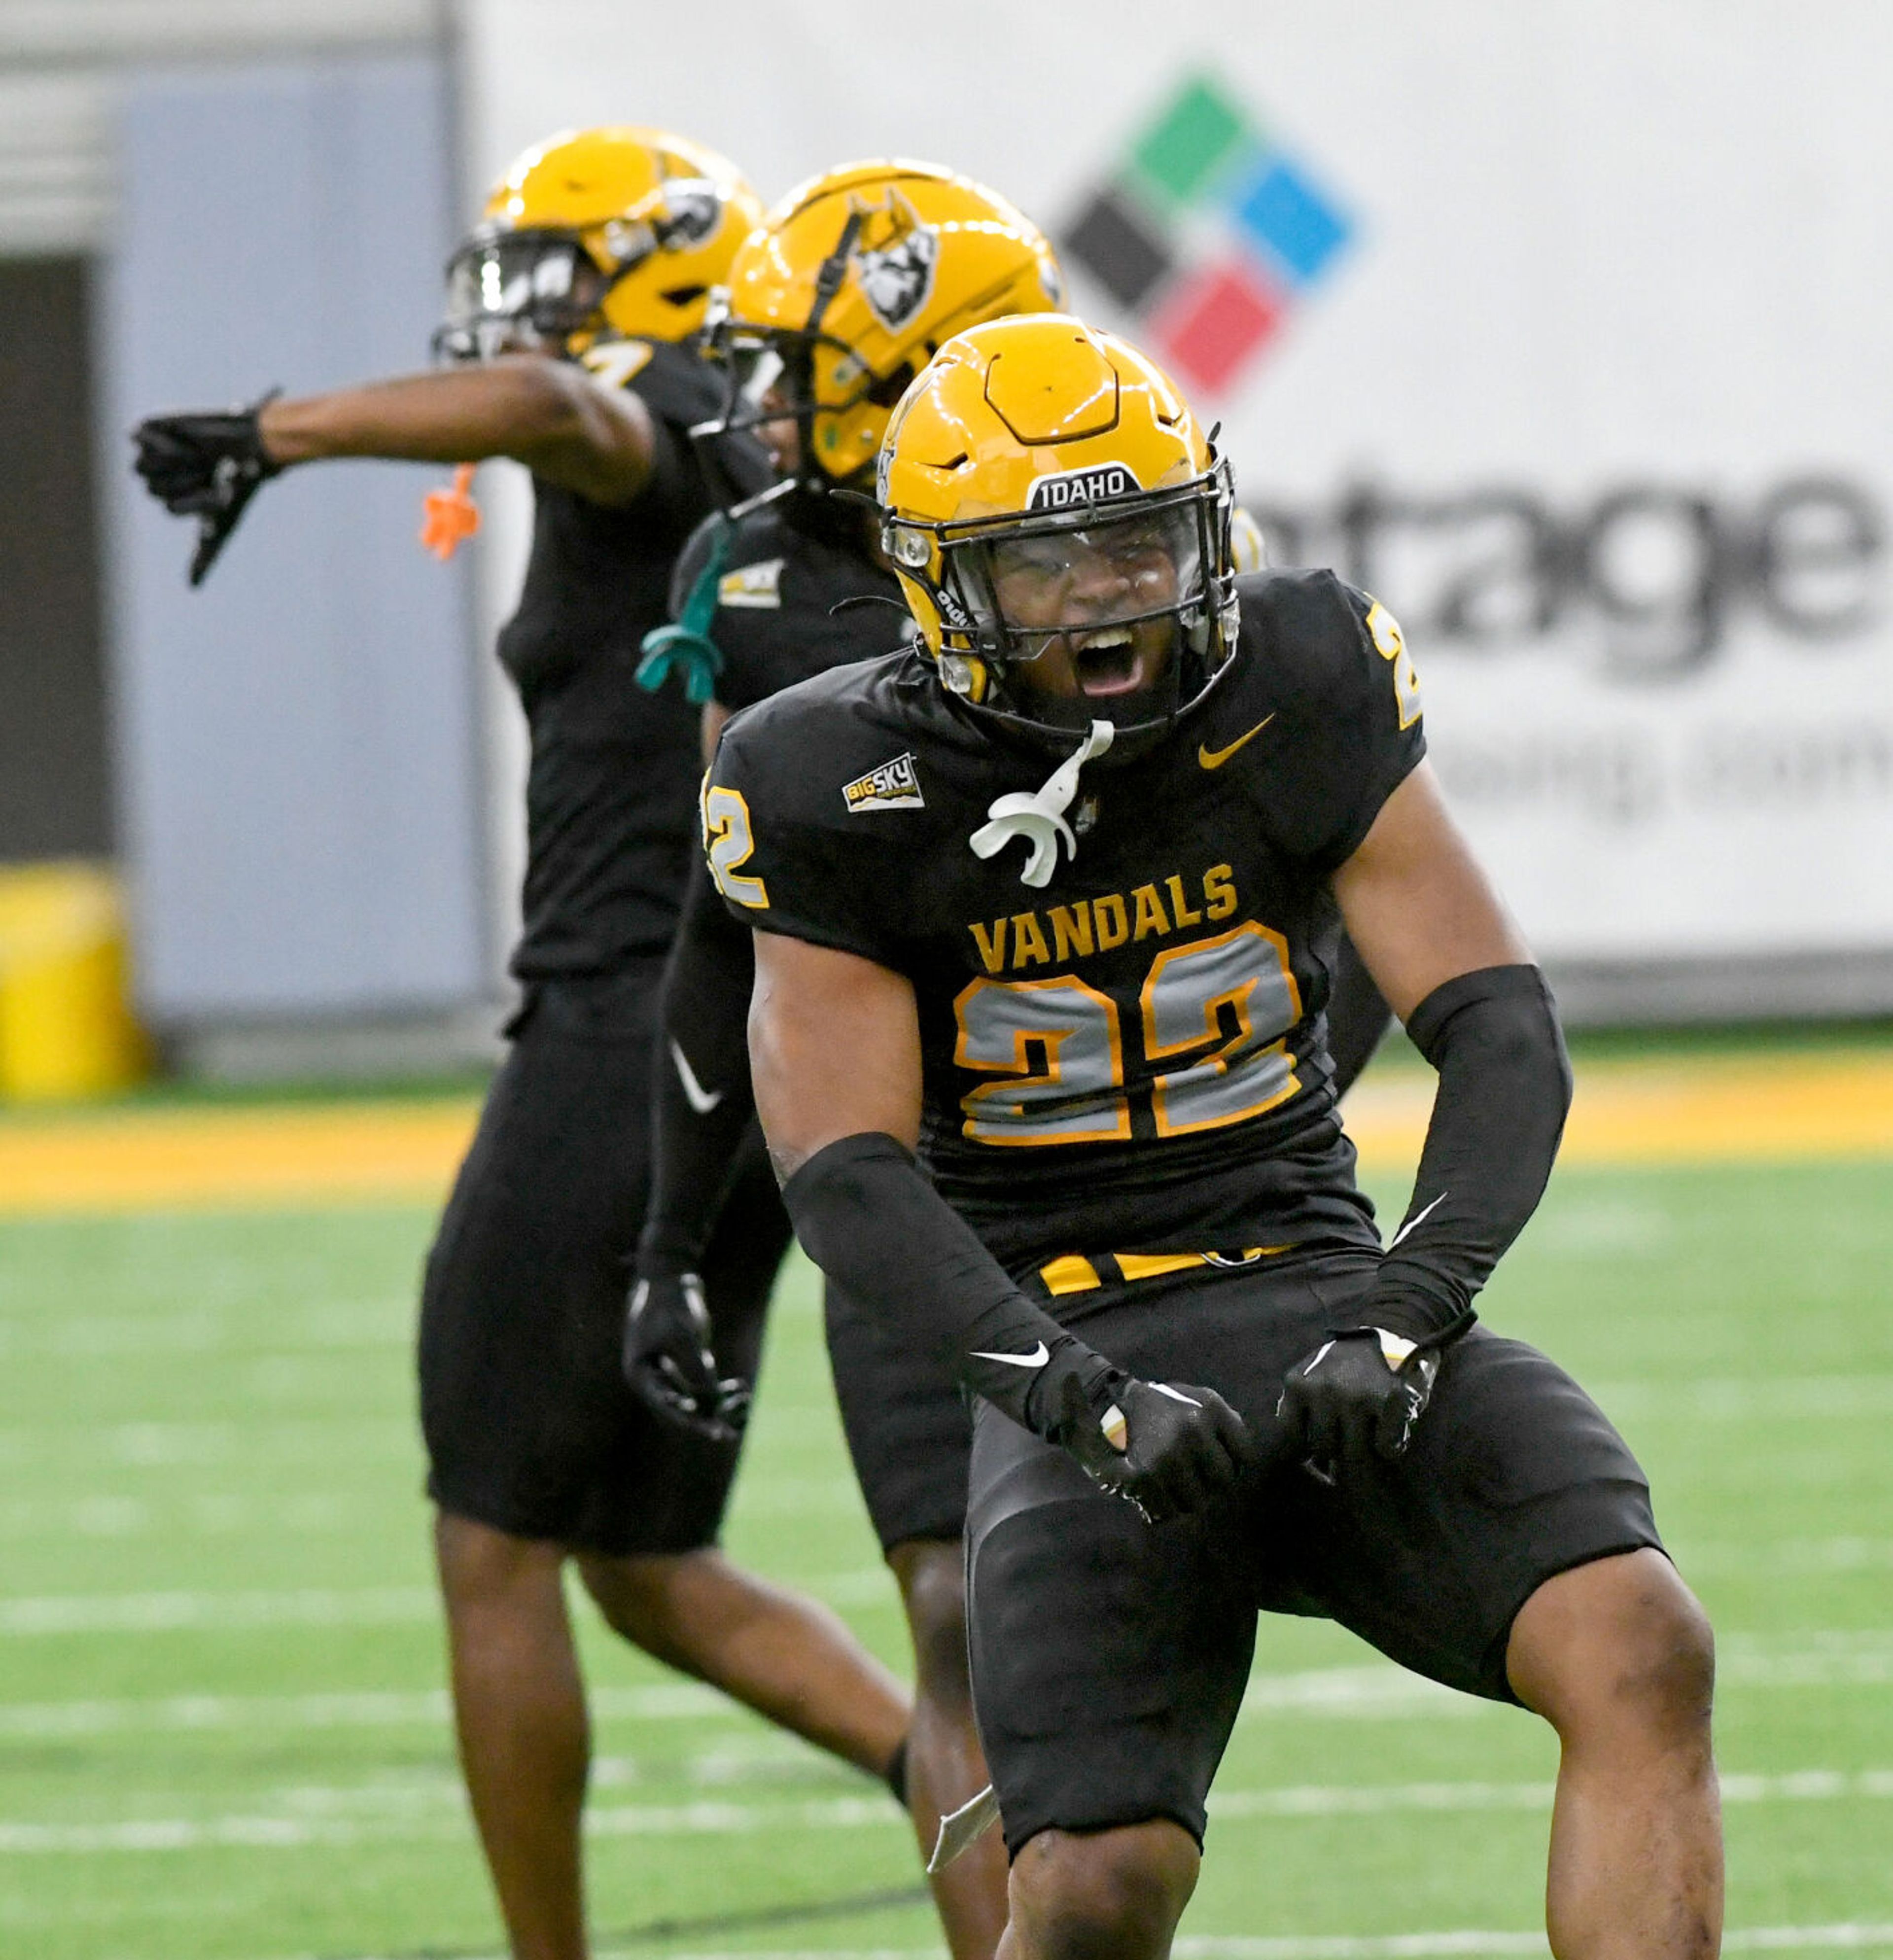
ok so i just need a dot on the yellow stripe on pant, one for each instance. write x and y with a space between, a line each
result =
1074 1272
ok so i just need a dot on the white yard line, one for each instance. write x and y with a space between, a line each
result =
1749 1398
300 1828
1374 1690
199 1513
227 1612
1846 1937
150 1613
375 1709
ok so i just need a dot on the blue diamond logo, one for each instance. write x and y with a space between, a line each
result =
1283 213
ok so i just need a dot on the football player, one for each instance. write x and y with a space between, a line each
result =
567 311
1037 1042
834 304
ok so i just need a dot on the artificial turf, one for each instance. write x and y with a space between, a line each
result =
221 1728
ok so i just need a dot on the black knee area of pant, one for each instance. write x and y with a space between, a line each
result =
1107 1702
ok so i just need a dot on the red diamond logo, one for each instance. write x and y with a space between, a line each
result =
1215 321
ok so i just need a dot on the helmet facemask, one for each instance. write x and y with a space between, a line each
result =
843 294
801 374
537 289
1092 581
775 375
511 291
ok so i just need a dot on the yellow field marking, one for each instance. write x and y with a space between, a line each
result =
134 1160
1747 1109
1830 1103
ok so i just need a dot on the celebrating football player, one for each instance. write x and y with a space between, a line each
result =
835 303
1039 907
565 311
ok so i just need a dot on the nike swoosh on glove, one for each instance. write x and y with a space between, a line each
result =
1165 1449
1363 1390
669 1364
205 465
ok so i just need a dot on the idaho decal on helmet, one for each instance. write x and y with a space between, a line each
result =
596 234
851 283
1044 484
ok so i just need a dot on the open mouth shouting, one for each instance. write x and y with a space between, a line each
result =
1108 662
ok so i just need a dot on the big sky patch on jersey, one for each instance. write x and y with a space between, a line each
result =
892 785
752 585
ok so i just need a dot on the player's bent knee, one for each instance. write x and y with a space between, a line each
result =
481 1565
1114 1894
1623 1640
639 1598
931 1574
1667 1659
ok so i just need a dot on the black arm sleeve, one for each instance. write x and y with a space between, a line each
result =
868 1218
1505 1084
697 1119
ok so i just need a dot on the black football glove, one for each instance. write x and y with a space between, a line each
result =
1166 1450
206 466
669 1364
1361 1390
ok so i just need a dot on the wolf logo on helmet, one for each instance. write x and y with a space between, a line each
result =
851 283
692 206
897 279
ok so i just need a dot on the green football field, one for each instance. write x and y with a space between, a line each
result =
222 1727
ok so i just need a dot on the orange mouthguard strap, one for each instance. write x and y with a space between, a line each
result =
449 516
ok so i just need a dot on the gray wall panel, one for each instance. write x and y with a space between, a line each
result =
300 748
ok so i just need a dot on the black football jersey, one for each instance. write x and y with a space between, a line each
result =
614 769
789 565
1132 1058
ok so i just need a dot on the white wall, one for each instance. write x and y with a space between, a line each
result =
1600 246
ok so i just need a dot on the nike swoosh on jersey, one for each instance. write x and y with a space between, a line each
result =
1039 1355
1418 1217
701 1099
1214 758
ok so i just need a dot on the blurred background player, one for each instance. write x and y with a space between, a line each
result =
834 305
566 312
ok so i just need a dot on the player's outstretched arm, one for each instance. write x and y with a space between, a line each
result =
835 1053
1454 967
551 415
548 415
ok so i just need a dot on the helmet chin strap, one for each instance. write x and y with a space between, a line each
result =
1038 815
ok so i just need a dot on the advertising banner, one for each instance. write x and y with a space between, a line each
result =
1563 328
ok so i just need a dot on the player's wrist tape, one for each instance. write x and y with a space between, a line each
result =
867 1217
1505 1084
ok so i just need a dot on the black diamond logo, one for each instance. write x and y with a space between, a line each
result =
1114 242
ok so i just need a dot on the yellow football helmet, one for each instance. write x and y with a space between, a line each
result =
1026 444
597 232
851 282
